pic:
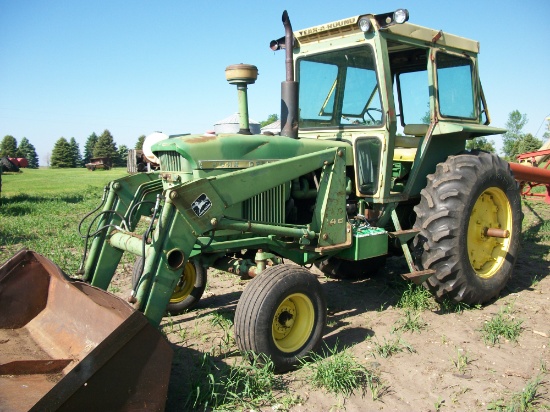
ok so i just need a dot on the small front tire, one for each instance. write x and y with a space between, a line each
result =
282 314
187 292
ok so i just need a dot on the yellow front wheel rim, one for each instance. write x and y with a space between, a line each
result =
487 254
293 322
185 285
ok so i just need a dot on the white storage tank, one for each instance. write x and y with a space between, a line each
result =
231 124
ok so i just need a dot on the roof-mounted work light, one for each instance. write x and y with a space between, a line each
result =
364 24
400 16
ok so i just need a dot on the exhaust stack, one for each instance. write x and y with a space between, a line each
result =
289 88
242 75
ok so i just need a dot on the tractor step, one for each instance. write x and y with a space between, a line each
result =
420 276
404 235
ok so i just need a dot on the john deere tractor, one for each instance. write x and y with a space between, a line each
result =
375 114
371 159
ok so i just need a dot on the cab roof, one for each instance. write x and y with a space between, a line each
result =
349 26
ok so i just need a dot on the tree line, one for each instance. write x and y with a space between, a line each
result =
516 141
66 153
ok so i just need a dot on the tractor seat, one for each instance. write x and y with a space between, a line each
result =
405 146
418 130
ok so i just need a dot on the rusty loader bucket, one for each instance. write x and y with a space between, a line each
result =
68 346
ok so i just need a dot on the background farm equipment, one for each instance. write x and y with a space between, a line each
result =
339 189
144 160
12 164
532 171
99 163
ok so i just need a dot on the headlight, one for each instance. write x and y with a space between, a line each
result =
364 24
400 16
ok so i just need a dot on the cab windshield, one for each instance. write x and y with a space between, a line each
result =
339 88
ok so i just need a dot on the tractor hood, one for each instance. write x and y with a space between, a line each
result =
235 151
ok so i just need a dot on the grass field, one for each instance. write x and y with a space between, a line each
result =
45 182
41 208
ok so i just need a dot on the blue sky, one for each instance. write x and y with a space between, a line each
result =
70 68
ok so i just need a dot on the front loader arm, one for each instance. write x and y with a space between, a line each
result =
196 207
133 195
182 219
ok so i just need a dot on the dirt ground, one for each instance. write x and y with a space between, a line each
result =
363 312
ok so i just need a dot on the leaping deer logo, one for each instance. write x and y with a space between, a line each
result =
201 205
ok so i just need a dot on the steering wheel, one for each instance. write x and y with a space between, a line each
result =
374 109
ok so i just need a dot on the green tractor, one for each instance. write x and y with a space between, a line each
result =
375 115
371 160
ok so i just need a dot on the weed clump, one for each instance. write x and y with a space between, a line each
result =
410 322
247 385
340 373
416 298
525 400
502 325
391 347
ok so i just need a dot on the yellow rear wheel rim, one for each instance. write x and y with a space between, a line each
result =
488 254
293 323
185 285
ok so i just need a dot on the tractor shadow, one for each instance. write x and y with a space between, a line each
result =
223 304
23 204
354 299
188 369
350 304
347 301
532 265
14 239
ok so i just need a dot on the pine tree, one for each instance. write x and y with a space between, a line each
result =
106 147
62 154
8 147
75 149
89 147
122 155
28 151
139 144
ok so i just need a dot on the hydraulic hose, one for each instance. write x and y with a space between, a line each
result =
103 199
135 281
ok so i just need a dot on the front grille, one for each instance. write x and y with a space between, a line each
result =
267 207
171 161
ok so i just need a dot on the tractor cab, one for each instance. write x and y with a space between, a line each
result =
403 95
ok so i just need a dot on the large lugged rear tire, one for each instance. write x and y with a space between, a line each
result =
468 194
282 314
187 292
